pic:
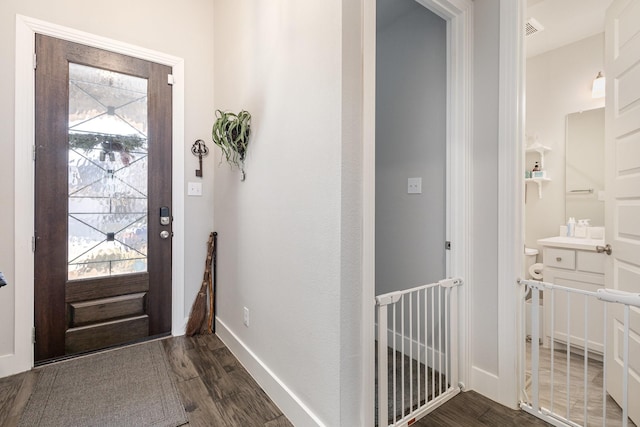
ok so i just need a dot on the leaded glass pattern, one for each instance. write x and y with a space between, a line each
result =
108 162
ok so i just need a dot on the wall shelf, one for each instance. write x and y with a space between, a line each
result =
538 181
540 149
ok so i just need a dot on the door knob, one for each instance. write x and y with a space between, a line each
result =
606 249
164 234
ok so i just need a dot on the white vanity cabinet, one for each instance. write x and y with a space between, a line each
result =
569 315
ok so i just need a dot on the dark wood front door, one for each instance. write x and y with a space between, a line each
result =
102 183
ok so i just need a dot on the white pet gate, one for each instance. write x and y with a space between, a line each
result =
417 344
565 378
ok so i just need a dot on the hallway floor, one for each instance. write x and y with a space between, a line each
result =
474 410
217 391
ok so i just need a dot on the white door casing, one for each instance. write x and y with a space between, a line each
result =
622 178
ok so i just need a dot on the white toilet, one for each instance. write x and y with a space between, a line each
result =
530 256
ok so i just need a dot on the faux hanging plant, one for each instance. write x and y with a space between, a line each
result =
231 133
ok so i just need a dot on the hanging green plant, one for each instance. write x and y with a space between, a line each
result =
231 133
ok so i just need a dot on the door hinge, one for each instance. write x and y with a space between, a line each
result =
447 245
33 243
34 153
170 79
35 61
33 335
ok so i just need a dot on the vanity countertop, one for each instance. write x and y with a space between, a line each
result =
571 243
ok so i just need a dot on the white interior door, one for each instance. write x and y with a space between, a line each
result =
622 212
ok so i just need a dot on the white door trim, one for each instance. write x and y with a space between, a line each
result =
510 198
459 17
26 28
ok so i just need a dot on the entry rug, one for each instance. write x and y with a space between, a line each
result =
131 386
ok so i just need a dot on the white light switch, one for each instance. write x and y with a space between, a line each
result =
194 189
414 186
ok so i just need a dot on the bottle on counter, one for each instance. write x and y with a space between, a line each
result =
571 227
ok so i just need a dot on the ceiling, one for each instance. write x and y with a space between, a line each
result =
564 22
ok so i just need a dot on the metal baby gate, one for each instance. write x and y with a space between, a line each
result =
568 348
417 344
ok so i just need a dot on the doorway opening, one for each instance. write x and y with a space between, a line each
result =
585 252
411 153
457 62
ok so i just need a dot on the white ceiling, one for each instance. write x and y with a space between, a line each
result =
564 22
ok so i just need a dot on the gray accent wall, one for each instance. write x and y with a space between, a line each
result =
410 142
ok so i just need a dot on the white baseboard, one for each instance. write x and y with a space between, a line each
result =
11 364
485 383
290 404
179 328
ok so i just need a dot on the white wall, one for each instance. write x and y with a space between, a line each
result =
558 83
483 323
410 142
185 32
289 235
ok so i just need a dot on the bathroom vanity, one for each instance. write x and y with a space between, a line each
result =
574 263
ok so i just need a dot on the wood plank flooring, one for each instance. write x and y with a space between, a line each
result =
217 391
214 387
581 380
474 410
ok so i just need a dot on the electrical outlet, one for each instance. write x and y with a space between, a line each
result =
245 318
194 189
414 185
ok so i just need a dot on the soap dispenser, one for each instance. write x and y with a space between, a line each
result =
581 228
571 227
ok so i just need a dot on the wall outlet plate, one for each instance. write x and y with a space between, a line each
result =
194 189
414 185
245 316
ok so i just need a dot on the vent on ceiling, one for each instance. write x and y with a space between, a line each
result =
532 26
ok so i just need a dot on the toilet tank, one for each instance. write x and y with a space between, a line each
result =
530 256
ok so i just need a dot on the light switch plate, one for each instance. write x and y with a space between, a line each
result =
414 186
194 189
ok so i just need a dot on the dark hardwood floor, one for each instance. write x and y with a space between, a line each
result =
217 391
473 409
214 387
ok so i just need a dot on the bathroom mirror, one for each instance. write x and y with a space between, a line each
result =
585 166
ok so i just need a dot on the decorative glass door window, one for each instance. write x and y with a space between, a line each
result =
107 161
